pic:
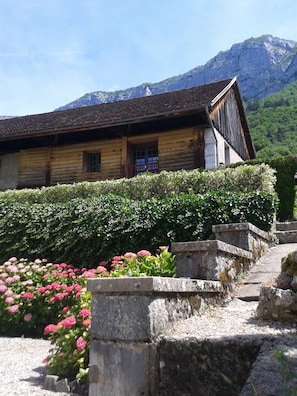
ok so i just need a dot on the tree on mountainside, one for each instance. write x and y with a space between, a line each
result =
273 123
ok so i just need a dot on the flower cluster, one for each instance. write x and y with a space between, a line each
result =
26 288
70 337
41 298
142 263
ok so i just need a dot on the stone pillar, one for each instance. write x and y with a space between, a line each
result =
128 317
244 235
212 260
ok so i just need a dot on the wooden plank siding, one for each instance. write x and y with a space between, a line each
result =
226 120
177 149
67 162
33 167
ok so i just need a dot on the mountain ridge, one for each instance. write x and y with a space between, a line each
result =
262 65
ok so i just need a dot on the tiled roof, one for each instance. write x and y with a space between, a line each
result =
108 114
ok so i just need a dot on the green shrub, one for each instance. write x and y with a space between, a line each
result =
142 263
85 231
285 168
242 178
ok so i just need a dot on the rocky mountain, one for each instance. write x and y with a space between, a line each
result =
263 66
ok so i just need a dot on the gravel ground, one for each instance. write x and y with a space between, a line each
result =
237 317
21 359
22 367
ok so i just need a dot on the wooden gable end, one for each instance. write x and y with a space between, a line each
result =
227 120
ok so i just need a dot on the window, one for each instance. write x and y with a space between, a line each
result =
227 154
92 162
145 158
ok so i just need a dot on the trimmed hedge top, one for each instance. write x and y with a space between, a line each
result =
243 178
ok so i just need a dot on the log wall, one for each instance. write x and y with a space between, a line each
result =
180 149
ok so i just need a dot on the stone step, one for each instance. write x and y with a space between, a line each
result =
286 236
286 226
249 292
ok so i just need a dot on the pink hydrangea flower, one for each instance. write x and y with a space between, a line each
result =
101 270
51 328
58 297
13 308
144 253
81 343
89 274
130 255
27 282
68 322
87 323
28 295
9 300
84 313
117 258
3 288
55 286
27 317
8 293
65 310
12 268
10 279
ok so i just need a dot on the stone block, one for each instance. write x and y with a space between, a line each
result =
141 309
122 369
50 382
209 260
244 235
277 304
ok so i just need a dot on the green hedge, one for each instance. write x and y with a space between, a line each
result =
85 231
285 167
243 178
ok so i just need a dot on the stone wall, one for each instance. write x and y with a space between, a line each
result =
244 235
129 355
205 367
128 317
212 260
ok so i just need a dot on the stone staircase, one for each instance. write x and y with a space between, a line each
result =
268 267
265 270
286 232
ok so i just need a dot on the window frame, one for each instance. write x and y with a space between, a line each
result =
92 162
144 157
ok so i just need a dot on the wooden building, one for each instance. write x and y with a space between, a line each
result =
203 127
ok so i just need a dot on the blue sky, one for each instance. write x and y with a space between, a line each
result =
54 51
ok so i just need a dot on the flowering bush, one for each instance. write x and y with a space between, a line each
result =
51 299
40 298
33 293
70 336
142 263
